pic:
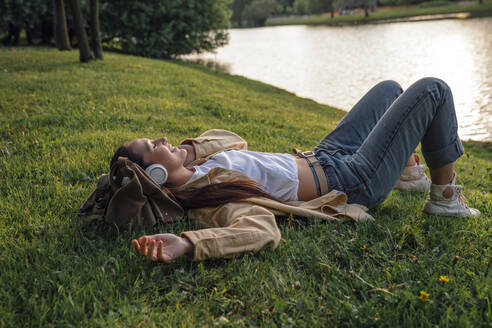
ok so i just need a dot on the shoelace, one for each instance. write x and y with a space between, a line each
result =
461 197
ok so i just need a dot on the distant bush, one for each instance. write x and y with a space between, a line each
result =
165 28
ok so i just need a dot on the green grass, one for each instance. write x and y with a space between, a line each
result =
61 120
475 10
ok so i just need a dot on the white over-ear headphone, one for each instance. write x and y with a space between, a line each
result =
158 173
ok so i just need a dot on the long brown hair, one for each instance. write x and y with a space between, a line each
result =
207 196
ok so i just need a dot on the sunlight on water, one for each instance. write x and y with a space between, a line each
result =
337 65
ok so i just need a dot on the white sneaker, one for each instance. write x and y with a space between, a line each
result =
413 178
447 200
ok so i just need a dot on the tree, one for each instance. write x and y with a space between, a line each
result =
95 34
157 28
238 10
34 16
257 12
318 6
286 4
301 7
368 5
84 50
61 30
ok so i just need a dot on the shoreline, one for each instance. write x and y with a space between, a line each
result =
395 15
225 68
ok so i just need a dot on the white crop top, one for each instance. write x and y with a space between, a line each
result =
275 173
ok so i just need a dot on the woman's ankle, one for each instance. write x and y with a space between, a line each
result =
444 175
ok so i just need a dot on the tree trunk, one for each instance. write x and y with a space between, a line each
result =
55 27
13 33
366 11
46 31
84 49
95 34
332 11
28 33
61 30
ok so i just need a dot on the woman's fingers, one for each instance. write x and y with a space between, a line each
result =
152 249
152 254
143 241
136 245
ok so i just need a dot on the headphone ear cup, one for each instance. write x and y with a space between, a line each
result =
157 173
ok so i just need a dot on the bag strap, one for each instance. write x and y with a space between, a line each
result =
316 168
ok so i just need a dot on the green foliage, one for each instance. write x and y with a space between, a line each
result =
301 7
59 124
167 28
257 12
237 7
319 6
285 5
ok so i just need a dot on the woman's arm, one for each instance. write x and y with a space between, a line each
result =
233 229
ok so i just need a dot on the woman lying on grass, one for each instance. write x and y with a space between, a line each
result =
235 193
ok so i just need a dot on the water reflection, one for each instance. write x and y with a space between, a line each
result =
337 65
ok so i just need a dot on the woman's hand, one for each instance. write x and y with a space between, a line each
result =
164 247
191 155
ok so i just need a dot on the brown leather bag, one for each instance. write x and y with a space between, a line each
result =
128 197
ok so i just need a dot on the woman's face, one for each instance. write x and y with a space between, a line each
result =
159 151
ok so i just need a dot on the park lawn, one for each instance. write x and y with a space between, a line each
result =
474 9
59 123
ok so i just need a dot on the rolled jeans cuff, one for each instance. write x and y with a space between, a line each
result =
449 154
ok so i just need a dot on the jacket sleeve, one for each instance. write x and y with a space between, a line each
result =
232 229
216 140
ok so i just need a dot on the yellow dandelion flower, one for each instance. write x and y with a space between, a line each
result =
412 257
364 247
443 279
424 296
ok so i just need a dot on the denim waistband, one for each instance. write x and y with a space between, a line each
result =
330 171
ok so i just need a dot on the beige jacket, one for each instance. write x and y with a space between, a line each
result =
250 225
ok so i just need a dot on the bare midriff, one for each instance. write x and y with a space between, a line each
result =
307 185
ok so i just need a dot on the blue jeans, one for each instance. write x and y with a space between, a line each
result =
366 153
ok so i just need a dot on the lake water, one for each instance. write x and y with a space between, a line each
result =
337 65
